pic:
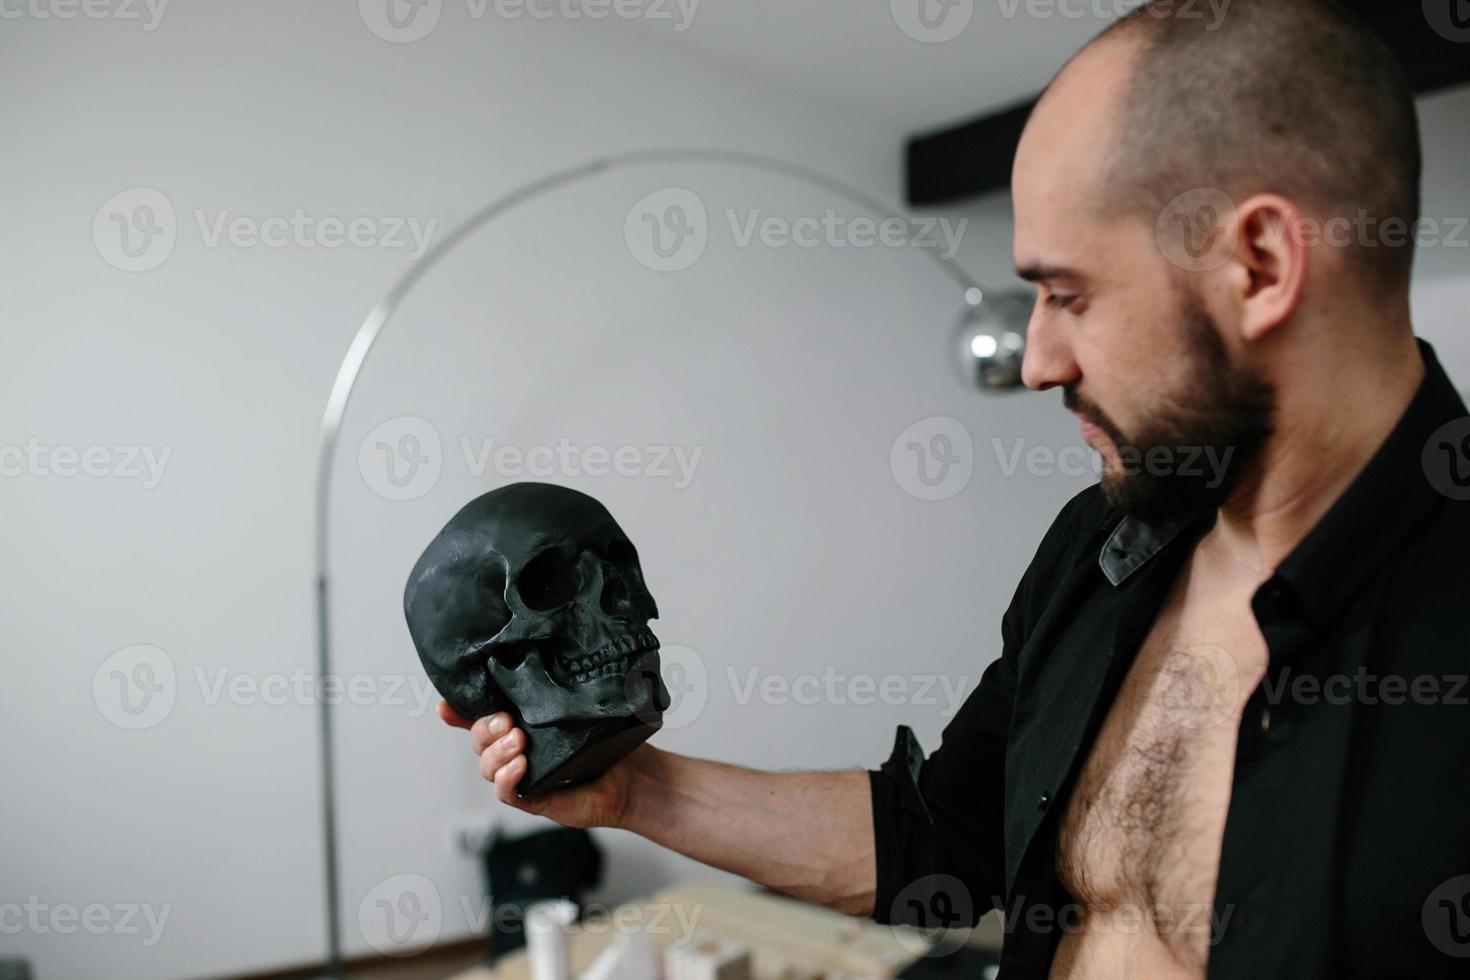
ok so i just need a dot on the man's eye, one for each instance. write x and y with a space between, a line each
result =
1057 301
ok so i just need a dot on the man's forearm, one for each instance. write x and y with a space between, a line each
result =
806 834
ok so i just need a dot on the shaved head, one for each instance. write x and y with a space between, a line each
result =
1292 97
1204 206
1204 209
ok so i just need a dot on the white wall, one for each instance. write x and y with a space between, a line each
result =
795 552
1442 283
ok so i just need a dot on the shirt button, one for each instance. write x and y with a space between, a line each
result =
1265 720
1041 804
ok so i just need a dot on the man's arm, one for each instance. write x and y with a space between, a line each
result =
806 834
863 843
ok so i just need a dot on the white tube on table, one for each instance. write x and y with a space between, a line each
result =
547 924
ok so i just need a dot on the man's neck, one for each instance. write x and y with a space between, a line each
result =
1330 421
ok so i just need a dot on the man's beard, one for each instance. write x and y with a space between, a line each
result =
1190 457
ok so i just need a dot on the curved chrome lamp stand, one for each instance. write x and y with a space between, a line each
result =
362 345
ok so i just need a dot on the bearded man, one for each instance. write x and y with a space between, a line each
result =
1224 736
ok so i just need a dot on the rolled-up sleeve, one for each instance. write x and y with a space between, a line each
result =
939 823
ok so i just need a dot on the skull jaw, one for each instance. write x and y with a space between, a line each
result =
562 757
540 699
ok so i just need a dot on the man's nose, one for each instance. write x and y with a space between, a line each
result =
1048 361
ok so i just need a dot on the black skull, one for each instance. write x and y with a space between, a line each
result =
531 600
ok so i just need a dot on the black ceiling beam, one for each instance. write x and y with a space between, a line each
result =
974 157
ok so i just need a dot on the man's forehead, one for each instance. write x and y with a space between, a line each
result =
1083 247
1062 160
1061 215
1056 231
1072 129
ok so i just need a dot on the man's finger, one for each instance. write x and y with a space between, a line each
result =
488 729
451 717
507 778
500 752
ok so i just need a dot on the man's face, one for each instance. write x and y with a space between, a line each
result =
1191 447
1128 336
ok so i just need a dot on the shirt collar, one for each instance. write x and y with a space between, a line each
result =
1132 544
1381 507
1375 514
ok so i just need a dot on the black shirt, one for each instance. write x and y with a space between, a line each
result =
1348 829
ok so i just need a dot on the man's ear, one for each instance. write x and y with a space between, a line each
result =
1268 270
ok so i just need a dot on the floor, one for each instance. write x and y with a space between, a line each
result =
428 966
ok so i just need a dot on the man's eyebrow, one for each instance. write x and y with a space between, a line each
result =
1039 272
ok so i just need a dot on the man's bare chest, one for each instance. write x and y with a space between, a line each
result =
1142 832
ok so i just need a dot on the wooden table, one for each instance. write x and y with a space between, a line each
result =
788 939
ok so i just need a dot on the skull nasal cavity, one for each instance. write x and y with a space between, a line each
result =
616 601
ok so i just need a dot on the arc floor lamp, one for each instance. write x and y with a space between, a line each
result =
989 351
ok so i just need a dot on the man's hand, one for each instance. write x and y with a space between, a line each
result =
501 750
807 834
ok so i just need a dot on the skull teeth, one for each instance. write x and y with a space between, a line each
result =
601 670
612 660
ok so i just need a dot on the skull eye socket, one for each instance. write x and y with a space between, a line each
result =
553 578
622 554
